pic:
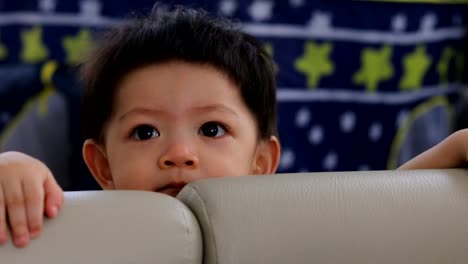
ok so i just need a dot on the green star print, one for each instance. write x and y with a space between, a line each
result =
376 66
415 66
269 48
76 46
315 62
3 51
33 49
443 66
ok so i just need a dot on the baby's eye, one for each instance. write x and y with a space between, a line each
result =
212 129
144 132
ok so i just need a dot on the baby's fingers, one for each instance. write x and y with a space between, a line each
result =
53 197
34 202
3 222
15 205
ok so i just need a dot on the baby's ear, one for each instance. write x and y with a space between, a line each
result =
95 158
267 156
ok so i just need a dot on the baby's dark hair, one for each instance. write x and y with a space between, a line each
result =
186 35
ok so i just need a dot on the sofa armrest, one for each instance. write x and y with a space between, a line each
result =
109 227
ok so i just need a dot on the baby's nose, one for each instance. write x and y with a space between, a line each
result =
178 156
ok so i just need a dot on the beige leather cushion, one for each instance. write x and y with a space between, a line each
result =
394 217
109 227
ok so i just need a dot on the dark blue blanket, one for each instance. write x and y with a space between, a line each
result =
361 85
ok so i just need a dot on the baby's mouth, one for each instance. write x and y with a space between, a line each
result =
172 189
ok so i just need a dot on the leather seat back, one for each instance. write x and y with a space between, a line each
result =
413 217
110 227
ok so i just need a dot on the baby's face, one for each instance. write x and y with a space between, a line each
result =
175 123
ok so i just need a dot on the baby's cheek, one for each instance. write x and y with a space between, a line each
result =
236 167
131 178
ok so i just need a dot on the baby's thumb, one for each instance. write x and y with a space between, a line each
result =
53 197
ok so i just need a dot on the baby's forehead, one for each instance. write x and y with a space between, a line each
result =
177 82
192 96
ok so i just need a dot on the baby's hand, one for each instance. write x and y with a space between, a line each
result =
452 152
27 191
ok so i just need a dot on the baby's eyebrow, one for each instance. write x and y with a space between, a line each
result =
140 110
216 108
203 109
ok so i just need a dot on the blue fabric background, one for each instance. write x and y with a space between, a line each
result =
330 122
